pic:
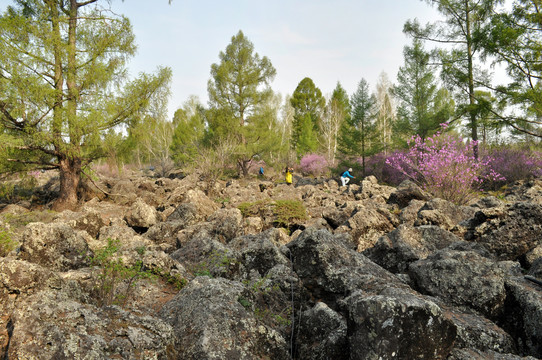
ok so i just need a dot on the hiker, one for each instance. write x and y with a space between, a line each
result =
260 172
345 177
289 176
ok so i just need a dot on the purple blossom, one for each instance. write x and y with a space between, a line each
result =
313 164
444 166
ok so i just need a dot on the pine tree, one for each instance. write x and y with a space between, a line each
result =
358 131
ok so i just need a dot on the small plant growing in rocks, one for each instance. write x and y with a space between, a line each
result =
289 211
114 280
7 244
217 263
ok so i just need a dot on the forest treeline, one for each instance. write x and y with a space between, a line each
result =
66 102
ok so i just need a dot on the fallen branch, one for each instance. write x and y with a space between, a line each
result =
99 188
533 279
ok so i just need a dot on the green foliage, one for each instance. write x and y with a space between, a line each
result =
114 281
512 38
216 263
20 189
246 304
285 212
173 279
420 111
19 221
459 35
189 132
61 94
258 208
7 243
239 91
308 104
289 211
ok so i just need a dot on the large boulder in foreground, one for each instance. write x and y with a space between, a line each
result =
210 322
463 278
397 324
53 326
523 315
384 315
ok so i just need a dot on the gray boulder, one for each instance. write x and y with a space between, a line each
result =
405 192
331 270
463 278
209 322
523 315
509 232
56 246
396 324
259 252
476 332
443 213
404 245
366 225
475 354
55 326
141 215
322 334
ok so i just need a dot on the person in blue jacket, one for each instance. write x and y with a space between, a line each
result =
346 176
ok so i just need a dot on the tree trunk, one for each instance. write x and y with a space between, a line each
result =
70 176
243 166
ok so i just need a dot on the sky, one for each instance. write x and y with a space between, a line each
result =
328 41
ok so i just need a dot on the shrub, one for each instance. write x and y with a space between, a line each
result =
313 164
115 280
289 211
257 208
444 166
377 166
7 244
513 164
286 212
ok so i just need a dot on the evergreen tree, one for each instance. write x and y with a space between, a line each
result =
513 38
308 104
238 87
62 66
417 92
463 20
358 131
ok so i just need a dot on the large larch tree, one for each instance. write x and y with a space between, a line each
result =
61 87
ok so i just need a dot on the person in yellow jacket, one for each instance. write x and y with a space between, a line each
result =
289 176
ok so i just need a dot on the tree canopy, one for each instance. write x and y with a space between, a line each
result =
239 89
308 104
63 87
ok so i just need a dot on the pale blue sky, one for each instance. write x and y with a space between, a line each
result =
328 41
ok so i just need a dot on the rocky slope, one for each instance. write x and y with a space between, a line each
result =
371 272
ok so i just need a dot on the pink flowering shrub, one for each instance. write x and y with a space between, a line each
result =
377 166
512 163
313 164
444 166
